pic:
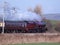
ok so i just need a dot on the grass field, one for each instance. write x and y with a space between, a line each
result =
38 44
54 21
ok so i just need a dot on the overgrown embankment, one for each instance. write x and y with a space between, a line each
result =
29 38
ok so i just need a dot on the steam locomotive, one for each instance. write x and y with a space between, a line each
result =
24 23
21 22
24 27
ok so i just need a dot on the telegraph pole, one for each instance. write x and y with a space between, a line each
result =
3 19
4 9
3 24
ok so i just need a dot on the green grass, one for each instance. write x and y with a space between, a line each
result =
54 21
38 44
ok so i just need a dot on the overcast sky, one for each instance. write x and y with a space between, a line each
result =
48 6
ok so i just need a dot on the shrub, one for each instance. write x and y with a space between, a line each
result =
57 27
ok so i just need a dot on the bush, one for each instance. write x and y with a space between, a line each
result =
57 27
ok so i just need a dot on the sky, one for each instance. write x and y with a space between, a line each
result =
48 6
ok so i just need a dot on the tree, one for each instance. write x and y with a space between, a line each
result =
38 9
57 27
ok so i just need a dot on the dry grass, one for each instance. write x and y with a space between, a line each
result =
28 38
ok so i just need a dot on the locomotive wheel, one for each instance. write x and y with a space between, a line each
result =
38 31
19 31
5 31
44 30
0 31
8 31
32 31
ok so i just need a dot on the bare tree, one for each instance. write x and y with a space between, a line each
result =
38 9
